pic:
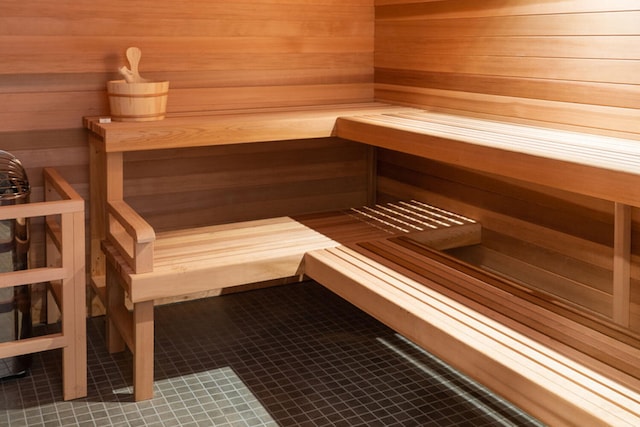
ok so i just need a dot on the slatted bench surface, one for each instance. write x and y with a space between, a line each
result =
225 255
191 261
594 165
423 222
550 365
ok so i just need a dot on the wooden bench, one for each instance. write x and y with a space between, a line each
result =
598 166
143 267
110 141
519 345
533 365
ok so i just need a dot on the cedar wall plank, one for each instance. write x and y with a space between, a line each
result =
246 181
564 63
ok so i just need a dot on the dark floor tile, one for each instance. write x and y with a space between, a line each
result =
295 355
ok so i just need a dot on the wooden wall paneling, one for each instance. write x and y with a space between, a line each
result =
485 196
622 23
564 63
524 47
489 8
552 263
246 181
239 54
605 94
591 70
57 58
489 192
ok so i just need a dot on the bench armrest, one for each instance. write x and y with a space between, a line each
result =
131 235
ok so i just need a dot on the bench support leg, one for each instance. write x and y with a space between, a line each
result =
115 302
74 355
143 350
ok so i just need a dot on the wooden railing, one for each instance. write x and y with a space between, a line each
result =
63 210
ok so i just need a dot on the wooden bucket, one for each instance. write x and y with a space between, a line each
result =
137 102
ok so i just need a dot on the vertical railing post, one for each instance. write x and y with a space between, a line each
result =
621 264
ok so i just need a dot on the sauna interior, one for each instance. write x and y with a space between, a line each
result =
570 65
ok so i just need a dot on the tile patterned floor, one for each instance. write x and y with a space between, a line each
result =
294 355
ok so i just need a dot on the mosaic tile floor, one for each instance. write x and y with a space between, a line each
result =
294 355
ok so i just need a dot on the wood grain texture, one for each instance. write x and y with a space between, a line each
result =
433 305
58 59
196 261
554 241
217 55
528 60
564 64
63 273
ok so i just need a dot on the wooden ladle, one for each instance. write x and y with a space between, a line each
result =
132 75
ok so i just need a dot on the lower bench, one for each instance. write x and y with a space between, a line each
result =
554 367
143 267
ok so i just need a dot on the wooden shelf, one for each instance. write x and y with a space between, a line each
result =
227 127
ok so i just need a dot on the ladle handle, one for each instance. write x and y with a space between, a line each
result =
133 55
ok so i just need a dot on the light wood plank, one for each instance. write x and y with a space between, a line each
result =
623 23
468 8
227 127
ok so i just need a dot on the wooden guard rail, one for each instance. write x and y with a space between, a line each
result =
63 210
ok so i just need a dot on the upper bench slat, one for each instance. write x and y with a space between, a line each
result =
598 166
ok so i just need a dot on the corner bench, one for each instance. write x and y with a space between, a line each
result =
533 366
